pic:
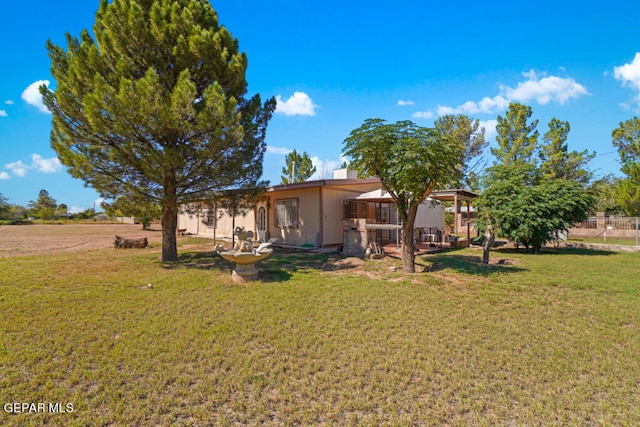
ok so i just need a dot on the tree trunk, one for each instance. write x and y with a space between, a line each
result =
488 241
169 225
408 243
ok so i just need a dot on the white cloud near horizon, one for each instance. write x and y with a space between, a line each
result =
485 106
540 88
489 128
422 115
4 176
278 150
298 104
31 95
325 168
77 209
402 103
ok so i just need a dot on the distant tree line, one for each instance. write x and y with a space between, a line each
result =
46 208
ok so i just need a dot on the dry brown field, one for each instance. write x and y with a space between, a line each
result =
44 239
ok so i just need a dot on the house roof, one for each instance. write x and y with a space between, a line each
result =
322 183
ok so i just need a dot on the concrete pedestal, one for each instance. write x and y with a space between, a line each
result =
244 273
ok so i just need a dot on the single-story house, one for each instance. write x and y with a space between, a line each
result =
340 212
301 214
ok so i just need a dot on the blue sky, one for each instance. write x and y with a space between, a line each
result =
333 64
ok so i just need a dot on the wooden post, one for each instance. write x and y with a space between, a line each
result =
468 222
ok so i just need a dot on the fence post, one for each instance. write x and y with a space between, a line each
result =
637 232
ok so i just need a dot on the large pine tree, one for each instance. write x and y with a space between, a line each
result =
154 107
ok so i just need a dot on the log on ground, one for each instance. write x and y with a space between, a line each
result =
123 243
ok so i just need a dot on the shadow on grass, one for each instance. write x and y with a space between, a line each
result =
470 264
276 268
554 251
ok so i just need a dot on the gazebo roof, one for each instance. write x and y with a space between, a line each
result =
381 196
451 195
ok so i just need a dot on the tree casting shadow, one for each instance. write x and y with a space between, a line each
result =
277 268
471 264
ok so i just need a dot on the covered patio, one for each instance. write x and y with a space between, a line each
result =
373 217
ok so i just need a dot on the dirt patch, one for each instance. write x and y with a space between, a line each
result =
343 264
42 239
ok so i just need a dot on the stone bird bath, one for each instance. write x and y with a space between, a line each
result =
245 256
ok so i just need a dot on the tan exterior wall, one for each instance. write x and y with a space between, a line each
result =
308 216
319 214
195 225
332 200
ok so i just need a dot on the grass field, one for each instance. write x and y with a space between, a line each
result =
610 241
550 339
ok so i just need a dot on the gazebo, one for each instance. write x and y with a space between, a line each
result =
456 196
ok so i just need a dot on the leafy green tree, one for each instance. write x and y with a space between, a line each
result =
626 139
528 209
516 137
557 161
410 161
62 210
470 134
605 194
522 201
155 107
299 168
5 207
44 207
142 211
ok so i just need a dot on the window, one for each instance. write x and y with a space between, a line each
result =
287 213
210 217
354 209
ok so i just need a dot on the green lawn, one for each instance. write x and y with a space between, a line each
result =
610 241
550 339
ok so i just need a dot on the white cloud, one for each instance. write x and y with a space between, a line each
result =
278 150
545 89
325 168
3 113
51 165
4 176
402 103
422 115
18 168
299 104
75 209
489 128
629 74
38 163
31 95
9 102
485 106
